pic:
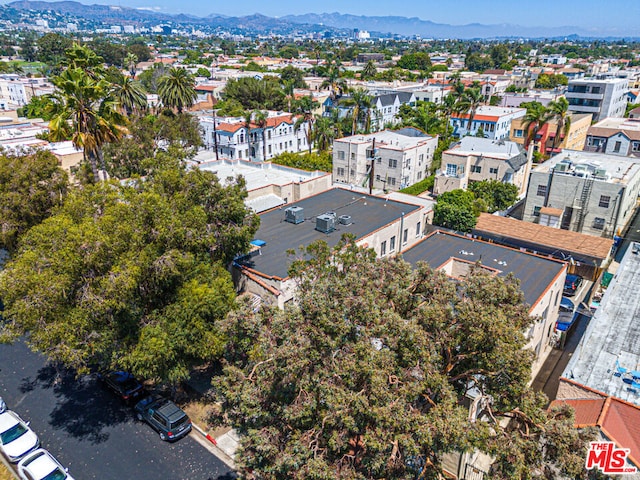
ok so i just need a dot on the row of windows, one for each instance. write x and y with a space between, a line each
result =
392 240
478 169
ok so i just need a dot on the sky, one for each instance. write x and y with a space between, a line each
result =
581 13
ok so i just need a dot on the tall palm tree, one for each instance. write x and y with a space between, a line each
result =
305 107
334 83
361 103
177 89
129 94
323 133
248 119
131 60
85 113
448 107
369 70
471 100
536 117
559 109
260 119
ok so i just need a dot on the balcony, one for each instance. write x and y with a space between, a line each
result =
586 96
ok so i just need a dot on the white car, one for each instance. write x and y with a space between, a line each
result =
16 438
41 465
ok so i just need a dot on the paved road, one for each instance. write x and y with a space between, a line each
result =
90 431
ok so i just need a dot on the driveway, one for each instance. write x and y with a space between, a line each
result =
90 431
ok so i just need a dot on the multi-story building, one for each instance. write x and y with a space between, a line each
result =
600 97
235 139
616 136
495 122
543 142
475 159
584 192
394 159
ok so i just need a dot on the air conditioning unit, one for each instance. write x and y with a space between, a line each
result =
294 215
325 223
344 219
600 173
562 167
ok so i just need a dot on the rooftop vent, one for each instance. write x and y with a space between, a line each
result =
325 223
345 219
294 215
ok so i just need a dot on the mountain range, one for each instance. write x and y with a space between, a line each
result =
387 25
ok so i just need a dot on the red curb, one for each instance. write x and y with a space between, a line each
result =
211 439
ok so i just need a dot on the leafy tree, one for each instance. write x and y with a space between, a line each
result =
112 53
293 74
40 106
333 81
253 67
31 186
230 108
150 78
365 376
131 275
52 48
177 89
495 194
289 52
203 72
140 49
151 138
322 161
551 81
255 94
477 62
28 48
361 104
415 61
369 71
456 210
499 54
422 186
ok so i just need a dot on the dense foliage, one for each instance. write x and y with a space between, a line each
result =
494 194
420 187
364 377
322 161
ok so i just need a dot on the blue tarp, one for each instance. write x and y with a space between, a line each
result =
258 243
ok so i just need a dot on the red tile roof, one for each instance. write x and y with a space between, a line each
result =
272 122
587 410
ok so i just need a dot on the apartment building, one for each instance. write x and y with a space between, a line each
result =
235 139
476 159
615 136
543 142
585 192
601 97
395 159
495 122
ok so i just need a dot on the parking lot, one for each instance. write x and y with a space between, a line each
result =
90 431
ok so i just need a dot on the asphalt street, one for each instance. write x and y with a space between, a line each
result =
90 431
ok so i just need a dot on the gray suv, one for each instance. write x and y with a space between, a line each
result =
164 416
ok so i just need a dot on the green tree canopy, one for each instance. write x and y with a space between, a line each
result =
293 74
308 161
31 186
255 94
52 47
365 376
457 210
131 275
495 194
415 61
177 89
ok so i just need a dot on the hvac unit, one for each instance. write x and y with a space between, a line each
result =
600 173
562 167
294 215
345 219
325 223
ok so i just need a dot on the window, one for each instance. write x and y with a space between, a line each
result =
405 236
340 155
420 158
391 181
353 155
616 147
377 178
419 175
542 191
353 172
340 172
452 169
598 223
418 229
604 201
393 163
536 211
392 244
269 134
269 149
493 170
635 146
518 133
476 169
383 248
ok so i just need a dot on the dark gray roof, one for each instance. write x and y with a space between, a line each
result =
535 273
368 214
405 97
518 161
387 99
412 132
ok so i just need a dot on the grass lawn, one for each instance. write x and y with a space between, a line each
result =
4 473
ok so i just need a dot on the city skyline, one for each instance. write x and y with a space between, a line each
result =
591 14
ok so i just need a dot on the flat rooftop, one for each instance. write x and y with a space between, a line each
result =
499 149
395 140
550 239
368 214
492 111
611 125
619 169
258 174
613 335
534 273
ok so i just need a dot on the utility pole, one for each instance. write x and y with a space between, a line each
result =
215 133
373 163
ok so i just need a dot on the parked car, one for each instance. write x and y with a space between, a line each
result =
571 285
164 416
124 384
16 438
567 315
41 465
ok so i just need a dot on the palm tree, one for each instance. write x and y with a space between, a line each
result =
129 94
559 109
323 133
448 107
85 113
305 107
536 117
288 87
470 101
177 89
260 119
362 103
333 82
369 70
248 119
131 60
